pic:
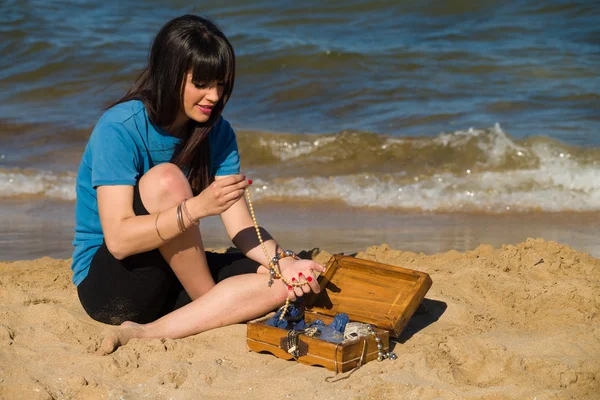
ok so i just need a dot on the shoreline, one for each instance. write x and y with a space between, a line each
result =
42 227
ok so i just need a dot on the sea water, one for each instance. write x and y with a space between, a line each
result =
363 113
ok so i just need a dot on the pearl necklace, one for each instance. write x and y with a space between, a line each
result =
273 263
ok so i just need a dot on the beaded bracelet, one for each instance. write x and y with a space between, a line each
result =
187 213
274 269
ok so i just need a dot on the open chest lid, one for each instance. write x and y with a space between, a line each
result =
383 295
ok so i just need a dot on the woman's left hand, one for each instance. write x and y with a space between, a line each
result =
302 271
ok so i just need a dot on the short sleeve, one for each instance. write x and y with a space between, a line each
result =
114 156
224 150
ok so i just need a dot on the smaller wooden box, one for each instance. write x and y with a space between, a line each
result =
382 295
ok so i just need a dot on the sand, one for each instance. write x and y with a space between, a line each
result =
514 322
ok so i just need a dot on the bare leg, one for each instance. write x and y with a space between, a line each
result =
237 299
165 186
234 300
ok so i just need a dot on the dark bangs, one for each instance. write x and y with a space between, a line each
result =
214 60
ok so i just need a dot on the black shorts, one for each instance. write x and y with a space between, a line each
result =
143 287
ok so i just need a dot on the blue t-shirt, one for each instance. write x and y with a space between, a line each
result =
123 146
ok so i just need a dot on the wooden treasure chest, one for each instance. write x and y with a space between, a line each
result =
381 295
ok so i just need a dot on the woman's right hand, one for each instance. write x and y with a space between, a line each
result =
218 196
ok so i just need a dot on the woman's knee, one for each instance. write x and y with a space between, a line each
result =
164 186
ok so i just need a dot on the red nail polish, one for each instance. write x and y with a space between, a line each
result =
293 279
249 181
244 177
299 273
290 288
309 279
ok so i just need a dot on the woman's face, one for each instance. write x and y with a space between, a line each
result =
199 98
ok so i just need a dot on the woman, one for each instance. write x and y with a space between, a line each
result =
157 162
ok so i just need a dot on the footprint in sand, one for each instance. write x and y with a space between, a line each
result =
172 379
7 335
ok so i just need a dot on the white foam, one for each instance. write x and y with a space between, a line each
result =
493 142
559 184
286 150
42 183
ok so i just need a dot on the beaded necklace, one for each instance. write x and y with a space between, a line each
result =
273 263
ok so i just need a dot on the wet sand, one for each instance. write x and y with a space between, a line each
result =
36 228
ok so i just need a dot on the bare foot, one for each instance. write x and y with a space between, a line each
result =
119 337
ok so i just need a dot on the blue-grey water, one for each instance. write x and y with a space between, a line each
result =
444 106
391 67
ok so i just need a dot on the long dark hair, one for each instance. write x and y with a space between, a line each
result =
184 44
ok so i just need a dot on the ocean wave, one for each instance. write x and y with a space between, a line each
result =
351 152
473 170
52 185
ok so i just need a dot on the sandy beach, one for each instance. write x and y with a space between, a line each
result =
455 138
512 322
